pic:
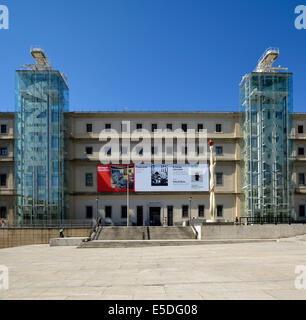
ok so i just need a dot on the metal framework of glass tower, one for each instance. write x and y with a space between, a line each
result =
41 145
266 100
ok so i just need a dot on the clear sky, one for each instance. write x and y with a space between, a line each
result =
153 54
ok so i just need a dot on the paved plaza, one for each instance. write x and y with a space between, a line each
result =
216 271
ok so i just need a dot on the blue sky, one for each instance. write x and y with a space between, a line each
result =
153 54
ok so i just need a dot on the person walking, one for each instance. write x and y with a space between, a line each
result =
2 223
100 221
61 233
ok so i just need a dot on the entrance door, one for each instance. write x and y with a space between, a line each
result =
155 216
139 216
170 215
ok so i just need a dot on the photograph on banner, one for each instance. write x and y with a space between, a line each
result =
116 177
171 177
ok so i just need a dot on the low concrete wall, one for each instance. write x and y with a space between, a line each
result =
67 242
14 237
266 231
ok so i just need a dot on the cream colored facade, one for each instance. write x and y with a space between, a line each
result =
85 202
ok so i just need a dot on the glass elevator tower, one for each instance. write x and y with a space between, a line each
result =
41 145
266 101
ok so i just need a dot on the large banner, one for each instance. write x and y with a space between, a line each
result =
153 177
116 177
171 177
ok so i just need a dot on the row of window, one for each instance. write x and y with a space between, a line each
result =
89 179
185 211
154 127
89 150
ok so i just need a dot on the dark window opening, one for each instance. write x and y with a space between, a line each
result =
3 128
89 127
302 211
219 178
200 127
89 212
3 180
300 129
89 150
154 127
218 127
219 211
3 152
201 211
89 180
219 150
185 211
108 212
124 212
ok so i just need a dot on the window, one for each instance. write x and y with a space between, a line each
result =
219 211
301 151
89 179
153 150
3 180
219 150
2 212
154 127
108 212
89 127
169 126
200 127
300 129
185 211
302 178
219 178
139 126
108 126
302 211
3 152
109 152
124 212
201 211
89 212
184 127
3 128
88 150
140 151
185 150
218 127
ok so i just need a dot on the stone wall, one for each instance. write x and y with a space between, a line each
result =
267 231
14 237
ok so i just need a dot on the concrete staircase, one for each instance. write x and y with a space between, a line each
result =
170 233
145 233
122 233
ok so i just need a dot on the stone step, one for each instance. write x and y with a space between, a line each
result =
146 233
154 243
